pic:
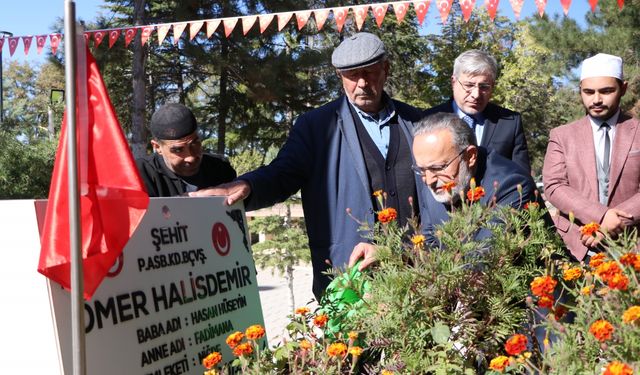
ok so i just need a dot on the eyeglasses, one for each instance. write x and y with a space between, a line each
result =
436 170
482 87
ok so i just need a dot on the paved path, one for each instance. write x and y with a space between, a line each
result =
274 297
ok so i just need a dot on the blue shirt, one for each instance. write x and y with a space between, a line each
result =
377 124
478 117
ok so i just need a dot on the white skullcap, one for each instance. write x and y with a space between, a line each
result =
602 65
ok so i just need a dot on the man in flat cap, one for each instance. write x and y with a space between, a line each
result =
592 166
472 82
178 165
339 154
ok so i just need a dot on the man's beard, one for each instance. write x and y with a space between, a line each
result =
462 184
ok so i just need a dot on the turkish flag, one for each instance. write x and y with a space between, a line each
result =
112 196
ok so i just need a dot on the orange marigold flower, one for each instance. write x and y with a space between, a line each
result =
243 349
601 330
352 335
516 344
586 290
302 310
234 339
387 215
607 270
356 351
531 205
337 349
618 281
590 229
377 193
631 315
545 301
474 195
254 332
618 368
543 285
211 360
320 320
572 273
628 259
305 345
559 312
597 260
499 363
448 186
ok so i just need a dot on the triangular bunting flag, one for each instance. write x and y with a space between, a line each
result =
13 44
163 30
41 40
97 38
54 39
340 15
421 8
492 8
178 29
113 37
565 6
265 21
229 24
86 37
379 11
541 4
400 9
194 29
247 23
146 33
620 4
444 7
26 41
1 44
129 34
467 7
516 5
211 27
360 14
283 19
302 17
320 16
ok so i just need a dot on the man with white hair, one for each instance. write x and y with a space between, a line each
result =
592 166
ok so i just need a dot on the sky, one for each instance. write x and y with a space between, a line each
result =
36 17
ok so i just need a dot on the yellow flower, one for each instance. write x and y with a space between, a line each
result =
302 310
631 315
572 273
586 290
618 368
418 239
353 335
377 193
386 372
337 349
305 345
355 351
499 363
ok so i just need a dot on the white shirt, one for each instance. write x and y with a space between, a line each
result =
598 135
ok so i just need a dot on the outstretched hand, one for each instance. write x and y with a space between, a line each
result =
363 250
234 191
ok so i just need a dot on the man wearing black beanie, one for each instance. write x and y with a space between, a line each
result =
178 165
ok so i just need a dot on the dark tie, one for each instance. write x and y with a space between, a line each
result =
470 121
607 147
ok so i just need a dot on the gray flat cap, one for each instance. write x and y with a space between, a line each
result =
358 51
172 121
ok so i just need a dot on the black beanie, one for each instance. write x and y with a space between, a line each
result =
172 121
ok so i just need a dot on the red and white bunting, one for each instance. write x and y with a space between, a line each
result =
620 4
129 34
492 8
321 16
302 18
194 29
379 11
247 23
146 34
178 29
211 27
421 8
283 19
467 7
541 4
163 30
340 16
54 39
13 44
265 21
229 24
444 7
516 5
1 44
565 6
41 40
97 37
113 37
360 14
26 41
400 9
86 37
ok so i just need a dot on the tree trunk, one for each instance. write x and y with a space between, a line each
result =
289 270
223 102
138 129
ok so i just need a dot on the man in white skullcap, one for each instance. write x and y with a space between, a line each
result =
592 166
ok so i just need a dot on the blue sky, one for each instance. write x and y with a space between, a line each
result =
35 17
